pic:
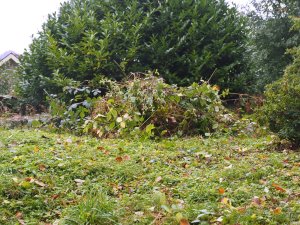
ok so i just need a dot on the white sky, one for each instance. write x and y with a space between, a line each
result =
20 19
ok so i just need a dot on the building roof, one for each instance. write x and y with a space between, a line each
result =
6 56
7 53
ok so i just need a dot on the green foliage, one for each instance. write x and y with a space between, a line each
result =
270 37
89 39
156 108
282 106
9 79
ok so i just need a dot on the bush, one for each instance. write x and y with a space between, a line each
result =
282 106
89 39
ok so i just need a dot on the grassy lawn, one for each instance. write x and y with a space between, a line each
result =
49 178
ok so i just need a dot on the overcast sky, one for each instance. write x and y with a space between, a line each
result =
20 19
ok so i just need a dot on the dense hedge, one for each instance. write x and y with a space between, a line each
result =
185 40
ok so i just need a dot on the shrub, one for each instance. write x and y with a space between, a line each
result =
92 38
282 107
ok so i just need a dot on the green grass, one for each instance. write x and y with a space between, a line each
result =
48 178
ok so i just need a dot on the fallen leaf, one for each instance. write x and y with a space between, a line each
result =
106 152
55 196
79 181
119 159
216 88
69 140
256 201
139 213
241 209
39 183
184 222
263 181
122 124
126 157
278 188
42 167
29 179
277 211
36 149
225 201
220 219
185 165
19 217
158 179
101 148
221 191
228 167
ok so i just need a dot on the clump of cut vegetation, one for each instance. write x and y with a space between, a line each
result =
148 104
143 105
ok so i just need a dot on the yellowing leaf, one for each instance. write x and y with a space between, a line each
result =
179 217
36 149
216 88
122 124
226 201
277 211
25 184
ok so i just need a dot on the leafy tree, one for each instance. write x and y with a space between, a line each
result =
8 79
270 37
89 39
282 106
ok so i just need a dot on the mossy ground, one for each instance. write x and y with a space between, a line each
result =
49 178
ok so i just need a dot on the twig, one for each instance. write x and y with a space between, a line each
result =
120 68
211 75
